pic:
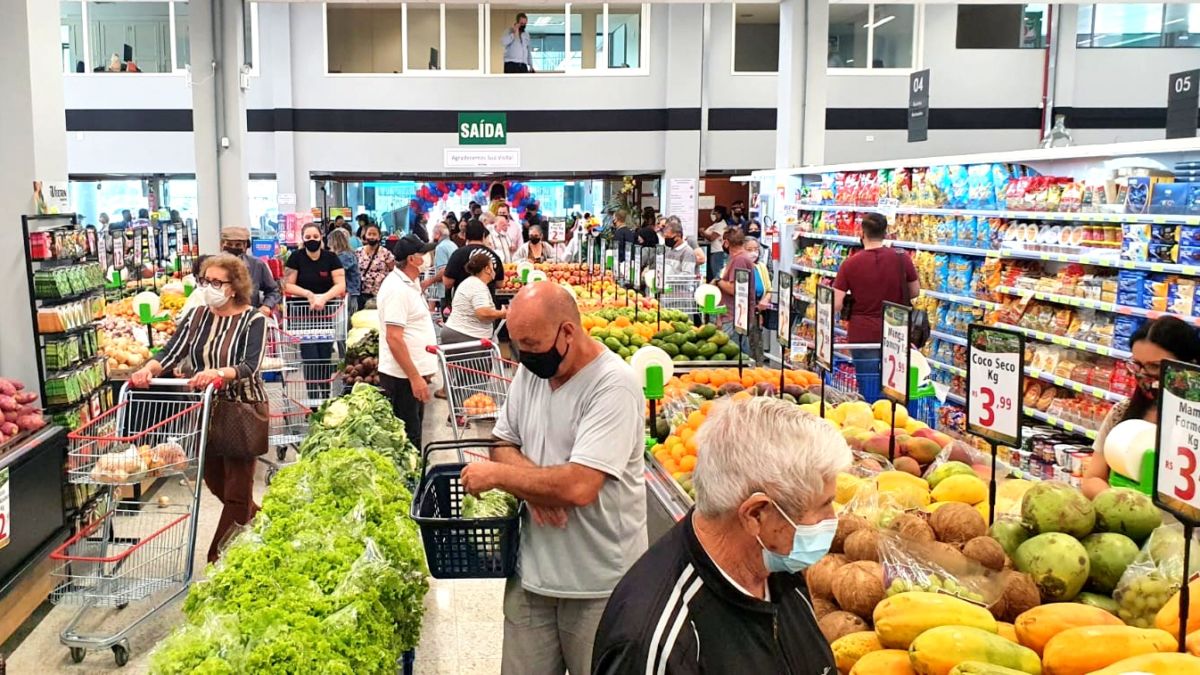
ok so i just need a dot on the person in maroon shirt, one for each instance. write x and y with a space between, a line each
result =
733 244
872 276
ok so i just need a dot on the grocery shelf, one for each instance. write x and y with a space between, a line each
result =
814 270
830 236
837 330
1073 385
955 399
943 248
938 365
962 300
805 297
1072 301
1061 424
1052 216
948 337
1068 342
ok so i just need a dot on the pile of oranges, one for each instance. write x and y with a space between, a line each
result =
677 454
480 404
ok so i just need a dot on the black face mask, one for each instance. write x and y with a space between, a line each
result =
312 245
545 364
372 242
535 238
670 241
234 250
521 28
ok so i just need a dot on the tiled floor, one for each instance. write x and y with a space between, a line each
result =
462 632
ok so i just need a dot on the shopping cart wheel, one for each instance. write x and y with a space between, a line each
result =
77 654
281 452
121 606
120 655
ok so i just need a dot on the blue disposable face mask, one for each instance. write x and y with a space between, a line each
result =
809 544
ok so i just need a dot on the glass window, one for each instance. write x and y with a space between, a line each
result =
848 36
70 28
424 32
1001 27
624 36
1138 25
588 46
755 38
130 35
892 36
872 36
364 38
263 194
182 44
463 24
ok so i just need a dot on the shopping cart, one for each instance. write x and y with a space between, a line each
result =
679 293
457 547
315 325
476 378
133 550
860 378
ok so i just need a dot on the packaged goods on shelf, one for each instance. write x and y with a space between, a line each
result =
55 283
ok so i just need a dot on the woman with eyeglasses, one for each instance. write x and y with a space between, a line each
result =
221 342
1151 344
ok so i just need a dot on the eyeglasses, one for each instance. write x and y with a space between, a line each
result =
1153 369
215 283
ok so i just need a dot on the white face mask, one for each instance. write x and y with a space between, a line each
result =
424 265
212 297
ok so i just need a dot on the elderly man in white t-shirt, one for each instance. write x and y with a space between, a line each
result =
581 470
405 366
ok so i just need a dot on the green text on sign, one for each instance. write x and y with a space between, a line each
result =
482 128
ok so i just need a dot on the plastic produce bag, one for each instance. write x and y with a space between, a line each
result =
878 508
1153 576
211 647
910 565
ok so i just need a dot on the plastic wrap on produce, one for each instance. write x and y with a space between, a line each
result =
910 565
1154 576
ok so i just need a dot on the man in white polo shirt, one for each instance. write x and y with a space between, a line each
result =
405 367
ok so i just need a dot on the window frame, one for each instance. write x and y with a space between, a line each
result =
918 46
1162 31
733 44
485 46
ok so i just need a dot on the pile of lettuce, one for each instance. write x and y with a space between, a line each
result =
363 419
330 578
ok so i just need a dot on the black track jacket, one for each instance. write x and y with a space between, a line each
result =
675 612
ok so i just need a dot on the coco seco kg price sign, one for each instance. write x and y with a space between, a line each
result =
895 340
824 328
995 363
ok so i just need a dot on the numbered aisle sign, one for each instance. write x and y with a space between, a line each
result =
1177 466
741 301
660 268
785 307
995 362
824 332
1183 96
896 323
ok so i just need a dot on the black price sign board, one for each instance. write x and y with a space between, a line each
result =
741 301
785 309
824 331
995 362
1183 103
918 106
660 268
897 319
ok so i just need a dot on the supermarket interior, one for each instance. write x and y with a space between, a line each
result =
785 336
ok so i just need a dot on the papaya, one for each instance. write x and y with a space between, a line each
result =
1036 626
938 650
961 488
1007 631
1193 642
884 662
902 617
1086 649
981 668
911 491
848 649
1168 616
1154 664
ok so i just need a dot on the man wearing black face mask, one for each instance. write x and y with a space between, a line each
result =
516 47
680 257
581 470
266 297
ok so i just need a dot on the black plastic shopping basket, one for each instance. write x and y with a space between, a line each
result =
457 547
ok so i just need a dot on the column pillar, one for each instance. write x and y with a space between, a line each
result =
34 141
684 101
800 125
218 116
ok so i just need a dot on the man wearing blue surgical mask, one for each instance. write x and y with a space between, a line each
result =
722 591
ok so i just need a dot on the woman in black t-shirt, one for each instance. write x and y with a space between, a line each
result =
316 275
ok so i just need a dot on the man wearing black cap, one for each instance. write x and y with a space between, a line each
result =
405 367
456 270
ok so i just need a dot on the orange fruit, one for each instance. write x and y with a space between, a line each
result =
690 447
662 456
742 396
705 407
695 419
688 463
678 451
700 377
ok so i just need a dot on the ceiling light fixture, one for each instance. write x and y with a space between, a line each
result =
880 22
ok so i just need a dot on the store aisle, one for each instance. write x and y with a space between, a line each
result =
463 620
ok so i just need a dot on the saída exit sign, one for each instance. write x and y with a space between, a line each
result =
482 128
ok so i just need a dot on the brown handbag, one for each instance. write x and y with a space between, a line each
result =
238 430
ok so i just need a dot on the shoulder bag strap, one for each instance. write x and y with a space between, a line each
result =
903 279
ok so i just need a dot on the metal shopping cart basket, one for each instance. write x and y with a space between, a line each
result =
315 325
457 547
133 551
476 378
679 293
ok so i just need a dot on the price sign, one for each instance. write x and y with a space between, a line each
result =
119 250
1177 464
591 253
824 332
786 281
5 510
558 231
660 267
1183 100
604 266
741 301
896 323
635 271
102 250
137 249
995 363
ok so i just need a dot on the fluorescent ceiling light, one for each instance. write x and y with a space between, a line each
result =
1174 21
880 22
848 61
1137 39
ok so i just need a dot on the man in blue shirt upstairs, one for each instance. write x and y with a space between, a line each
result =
516 47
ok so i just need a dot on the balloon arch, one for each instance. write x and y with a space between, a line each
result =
430 194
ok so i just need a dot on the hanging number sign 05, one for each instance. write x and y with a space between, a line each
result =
824 331
1183 96
896 322
784 301
1177 465
995 362
741 301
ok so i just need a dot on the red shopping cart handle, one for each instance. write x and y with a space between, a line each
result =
476 455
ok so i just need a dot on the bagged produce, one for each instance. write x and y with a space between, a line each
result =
1153 576
929 566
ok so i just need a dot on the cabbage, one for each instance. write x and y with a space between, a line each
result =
365 318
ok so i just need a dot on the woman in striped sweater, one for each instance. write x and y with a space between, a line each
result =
222 343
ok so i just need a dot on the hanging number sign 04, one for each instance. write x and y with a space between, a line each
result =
895 341
741 301
1177 464
995 361
824 329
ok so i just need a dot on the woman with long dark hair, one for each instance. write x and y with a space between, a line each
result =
1151 344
